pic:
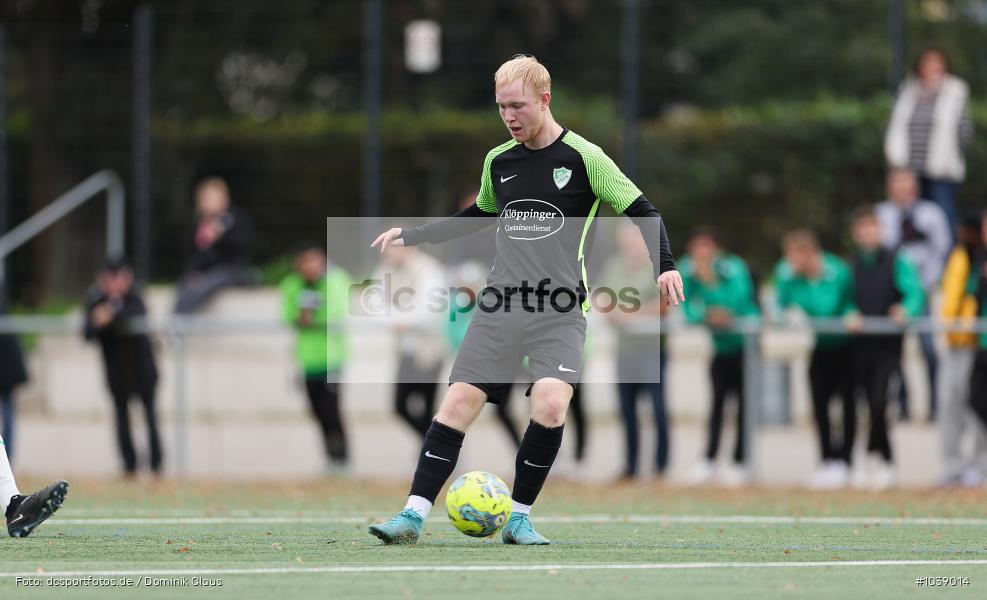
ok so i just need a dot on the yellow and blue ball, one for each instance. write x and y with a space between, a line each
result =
479 503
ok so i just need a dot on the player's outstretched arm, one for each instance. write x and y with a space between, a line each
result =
468 220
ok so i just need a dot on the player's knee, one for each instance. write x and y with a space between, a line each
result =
550 406
459 407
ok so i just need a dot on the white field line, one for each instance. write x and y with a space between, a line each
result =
599 519
427 568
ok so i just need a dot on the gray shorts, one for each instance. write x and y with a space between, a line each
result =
496 344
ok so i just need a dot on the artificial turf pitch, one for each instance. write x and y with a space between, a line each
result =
310 540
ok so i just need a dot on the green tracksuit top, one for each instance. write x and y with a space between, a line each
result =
732 291
319 350
828 296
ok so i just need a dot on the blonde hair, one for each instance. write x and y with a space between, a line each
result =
528 70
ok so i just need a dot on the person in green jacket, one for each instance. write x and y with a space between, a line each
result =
314 302
886 283
719 288
820 285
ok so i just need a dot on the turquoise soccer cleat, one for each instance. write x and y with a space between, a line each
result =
404 528
519 530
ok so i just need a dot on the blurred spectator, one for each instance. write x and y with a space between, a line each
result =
315 299
930 129
918 228
217 248
127 356
471 275
978 380
885 284
959 302
820 285
409 275
718 289
12 374
640 356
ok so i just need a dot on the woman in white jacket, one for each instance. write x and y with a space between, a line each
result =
930 129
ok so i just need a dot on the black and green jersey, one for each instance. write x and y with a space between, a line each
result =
546 201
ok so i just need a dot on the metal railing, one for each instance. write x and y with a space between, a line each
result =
179 328
101 181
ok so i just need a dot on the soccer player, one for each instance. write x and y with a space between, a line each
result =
542 187
25 513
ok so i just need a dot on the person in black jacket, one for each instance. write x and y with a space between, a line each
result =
127 356
886 284
217 248
12 374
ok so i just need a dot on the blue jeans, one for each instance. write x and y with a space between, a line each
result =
942 193
629 393
7 416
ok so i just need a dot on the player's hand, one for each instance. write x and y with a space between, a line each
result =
854 322
391 237
671 288
897 312
101 315
719 317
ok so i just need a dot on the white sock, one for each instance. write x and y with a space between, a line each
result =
420 505
519 509
8 487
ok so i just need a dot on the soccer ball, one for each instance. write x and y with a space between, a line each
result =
479 503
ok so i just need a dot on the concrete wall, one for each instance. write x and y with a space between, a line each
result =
248 418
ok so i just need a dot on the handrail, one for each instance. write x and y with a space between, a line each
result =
105 180
202 325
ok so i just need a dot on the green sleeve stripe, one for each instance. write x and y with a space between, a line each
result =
486 200
608 182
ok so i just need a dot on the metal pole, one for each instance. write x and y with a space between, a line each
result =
143 49
181 415
752 396
896 38
4 216
370 158
630 63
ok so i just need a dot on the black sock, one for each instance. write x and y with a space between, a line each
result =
437 460
534 460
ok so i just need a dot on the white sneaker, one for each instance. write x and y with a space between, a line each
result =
884 477
971 478
866 472
863 474
832 475
701 473
733 476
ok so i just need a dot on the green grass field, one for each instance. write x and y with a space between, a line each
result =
310 540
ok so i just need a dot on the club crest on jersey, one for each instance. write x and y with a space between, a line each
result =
561 176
